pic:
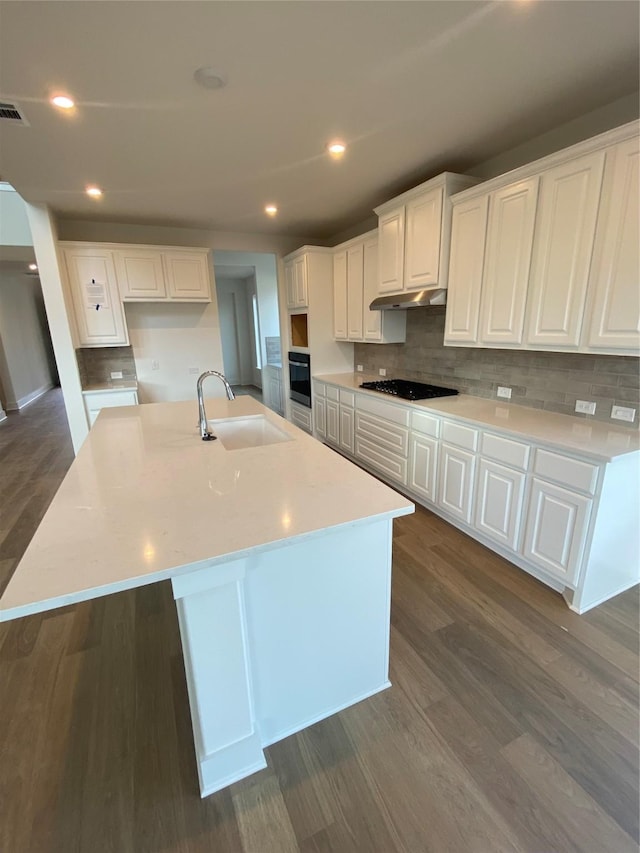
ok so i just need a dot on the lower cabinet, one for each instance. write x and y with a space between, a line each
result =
388 464
272 387
319 416
556 531
423 466
333 424
346 429
301 416
498 502
455 488
95 401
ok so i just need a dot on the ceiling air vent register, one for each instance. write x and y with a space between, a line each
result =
12 112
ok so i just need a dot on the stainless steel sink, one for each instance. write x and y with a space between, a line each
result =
250 431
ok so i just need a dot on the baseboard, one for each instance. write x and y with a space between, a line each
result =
23 402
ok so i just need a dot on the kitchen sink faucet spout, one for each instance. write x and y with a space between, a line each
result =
205 432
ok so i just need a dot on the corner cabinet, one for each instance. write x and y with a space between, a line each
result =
355 286
93 287
547 257
414 232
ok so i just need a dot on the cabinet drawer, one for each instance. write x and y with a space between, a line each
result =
392 466
109 400
347 398
333 393
459 435
506 450
319 389
425 424
574 473
301 417
389 411
385 435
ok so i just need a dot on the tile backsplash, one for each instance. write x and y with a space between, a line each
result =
542 380
96 364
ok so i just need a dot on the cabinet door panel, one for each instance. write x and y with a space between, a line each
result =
557 522
423 459
289 274
563 244
507 261
333 426
346 429
469 228
340 296
391 251
498 502
422 240
355 289
372 320
455 481
300 278
140 274
95 297
187 276
615 307
320 416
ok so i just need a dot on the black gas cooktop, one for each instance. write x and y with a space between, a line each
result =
408 390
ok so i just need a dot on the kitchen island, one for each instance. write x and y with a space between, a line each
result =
277 548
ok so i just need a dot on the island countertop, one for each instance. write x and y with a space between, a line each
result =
147 499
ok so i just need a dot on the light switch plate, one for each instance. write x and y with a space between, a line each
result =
382 371
116 374
359 368
622 413
155 364
585 407
503 392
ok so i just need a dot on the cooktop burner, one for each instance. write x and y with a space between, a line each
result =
408 390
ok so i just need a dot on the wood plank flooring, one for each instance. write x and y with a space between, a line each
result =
512 723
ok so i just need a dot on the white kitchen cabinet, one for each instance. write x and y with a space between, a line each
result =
355 291
272 387
568 204
301 416
556 531
96 301
422 240
346 429
466 262
95 401
300 282
455 481
509 242
333 422
372 320
340 296
140 274
498 502
187 272
613 321
423 466
320 416
290 284
414 230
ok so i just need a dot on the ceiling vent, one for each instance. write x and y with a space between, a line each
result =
12 113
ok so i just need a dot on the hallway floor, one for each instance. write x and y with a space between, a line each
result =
512 723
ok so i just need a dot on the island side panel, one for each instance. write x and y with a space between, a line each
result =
318 615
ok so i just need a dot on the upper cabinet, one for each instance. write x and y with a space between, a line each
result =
296 276
155 274
355 286
414 232
187 275
140 274
546 257
94 293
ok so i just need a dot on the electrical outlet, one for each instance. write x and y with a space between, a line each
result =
382 371
116 374
359 368
585 407
155 364
195 371
503 392
622 413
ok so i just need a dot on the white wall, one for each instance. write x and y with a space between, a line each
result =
26 372
14 224
236 326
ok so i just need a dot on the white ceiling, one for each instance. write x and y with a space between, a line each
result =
413 88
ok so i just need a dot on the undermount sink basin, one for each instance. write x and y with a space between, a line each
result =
251 431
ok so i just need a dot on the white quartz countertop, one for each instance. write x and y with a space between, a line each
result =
113 385
600 440
147 499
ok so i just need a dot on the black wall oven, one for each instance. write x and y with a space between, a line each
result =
300 377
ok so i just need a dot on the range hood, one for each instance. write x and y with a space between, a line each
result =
416 299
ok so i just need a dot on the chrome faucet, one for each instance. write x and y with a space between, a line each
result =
205 432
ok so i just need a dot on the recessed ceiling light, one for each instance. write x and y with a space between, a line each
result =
209 78
271 210
33 267
94 192
63 102
336 149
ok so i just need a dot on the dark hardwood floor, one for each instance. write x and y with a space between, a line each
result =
512 724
